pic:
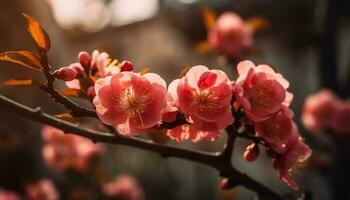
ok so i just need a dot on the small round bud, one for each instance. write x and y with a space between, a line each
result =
91 92
66 74
126 66
84 58
251 152
78 68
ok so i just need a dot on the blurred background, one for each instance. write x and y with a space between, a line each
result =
307 41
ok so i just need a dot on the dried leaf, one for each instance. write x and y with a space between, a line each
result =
144 71
258 23
14 82
40 37
203 47
209 17
72 92
25 58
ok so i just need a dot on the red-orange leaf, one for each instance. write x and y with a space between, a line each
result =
144 70
258 23
209 17
25 58
17 82
38 34
71 92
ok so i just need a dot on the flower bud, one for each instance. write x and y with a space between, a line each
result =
91 92
78 68
66 74
227 184
126 66
251 152
84 58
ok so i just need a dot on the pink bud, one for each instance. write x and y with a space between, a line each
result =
66 74
78 68
251 152
91 92
126 66
84 58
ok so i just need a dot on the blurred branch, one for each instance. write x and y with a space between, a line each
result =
219 161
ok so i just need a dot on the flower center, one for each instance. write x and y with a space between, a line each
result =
204 100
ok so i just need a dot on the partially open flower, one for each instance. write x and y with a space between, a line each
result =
261 91
230 35
204 96
130 102
251 152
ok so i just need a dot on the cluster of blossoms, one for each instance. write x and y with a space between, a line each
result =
123 187
41 190
231 35
134 103
63 152
325 111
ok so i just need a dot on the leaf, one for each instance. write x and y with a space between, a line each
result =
72 92
203 47
17 82
40 37
66 117
25 58
258 23
144 71
209 17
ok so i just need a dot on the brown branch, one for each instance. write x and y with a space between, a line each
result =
215 160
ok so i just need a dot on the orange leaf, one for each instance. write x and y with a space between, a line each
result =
203 47
25 58
209 17
72 92
40 37
258 23
14 82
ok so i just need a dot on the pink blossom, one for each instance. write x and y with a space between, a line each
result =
8 195
103 64
277 130
185 132
130 102
67 151
260 91
204 97
66 73
42 190
320 111
296 152
125 188
230 35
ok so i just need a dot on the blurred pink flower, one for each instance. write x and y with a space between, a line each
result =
124 188
261 91
277 130
8 195
204 97
67 151
320 111
230 35
296 152
130 102
42 190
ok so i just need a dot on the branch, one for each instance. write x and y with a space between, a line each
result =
214 160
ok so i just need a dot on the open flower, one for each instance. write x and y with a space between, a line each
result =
204 96
277 130
124 188
230 35
296 152
67 151
321 111
42 190
261 91
130 102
